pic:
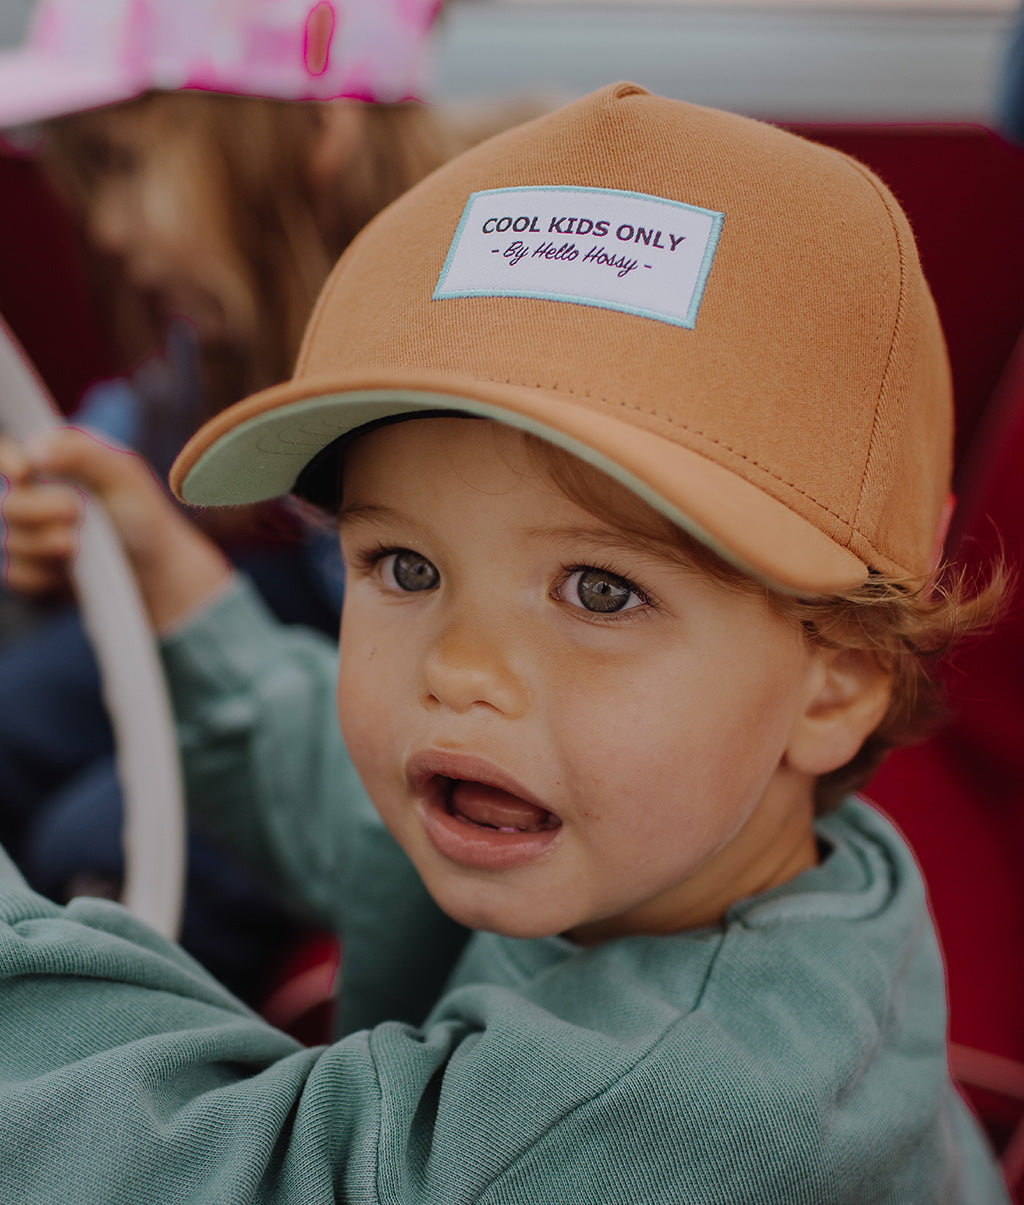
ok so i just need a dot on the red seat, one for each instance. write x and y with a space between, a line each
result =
44 293
959 798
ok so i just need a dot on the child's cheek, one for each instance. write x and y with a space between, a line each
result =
364 726
355 700
358 663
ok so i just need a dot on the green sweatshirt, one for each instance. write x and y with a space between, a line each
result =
794 1053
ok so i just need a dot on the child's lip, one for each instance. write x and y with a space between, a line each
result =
425 767
431 775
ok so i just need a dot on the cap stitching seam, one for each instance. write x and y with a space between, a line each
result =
851 527
897 326
693 431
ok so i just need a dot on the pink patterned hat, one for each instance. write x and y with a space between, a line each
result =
84 53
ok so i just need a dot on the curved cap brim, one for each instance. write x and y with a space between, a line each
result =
257 449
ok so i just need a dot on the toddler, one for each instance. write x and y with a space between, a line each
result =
636 422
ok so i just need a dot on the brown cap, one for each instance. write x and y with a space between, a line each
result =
727 318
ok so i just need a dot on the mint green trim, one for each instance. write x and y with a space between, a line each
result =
454 245
263 457
717 221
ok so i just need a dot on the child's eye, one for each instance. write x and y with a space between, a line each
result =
406 570
600 591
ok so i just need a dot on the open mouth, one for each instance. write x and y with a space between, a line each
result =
489 807
478 815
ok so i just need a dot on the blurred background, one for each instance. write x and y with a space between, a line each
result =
819 59
932 60
852 60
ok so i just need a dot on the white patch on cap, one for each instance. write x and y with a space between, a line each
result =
617 250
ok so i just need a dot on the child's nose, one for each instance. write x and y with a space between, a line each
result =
473 663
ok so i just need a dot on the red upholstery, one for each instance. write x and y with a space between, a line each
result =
43 294
303 997
960 798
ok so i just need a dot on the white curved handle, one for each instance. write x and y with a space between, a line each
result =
132 679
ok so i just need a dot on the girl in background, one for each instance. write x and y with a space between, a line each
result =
214 214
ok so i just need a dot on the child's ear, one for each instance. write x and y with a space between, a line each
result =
339 131
848 701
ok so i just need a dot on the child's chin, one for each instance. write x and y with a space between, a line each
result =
504 923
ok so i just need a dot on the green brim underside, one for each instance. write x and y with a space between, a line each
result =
263 457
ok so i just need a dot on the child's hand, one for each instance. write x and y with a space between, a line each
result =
41 521
176 566
43 507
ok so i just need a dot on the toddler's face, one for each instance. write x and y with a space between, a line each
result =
566 729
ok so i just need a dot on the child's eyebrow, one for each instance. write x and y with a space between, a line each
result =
366 513
598 534
609 538
615 541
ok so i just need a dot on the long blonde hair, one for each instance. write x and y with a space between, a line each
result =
246 164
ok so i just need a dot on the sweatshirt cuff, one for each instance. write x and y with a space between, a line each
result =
220 652
221 644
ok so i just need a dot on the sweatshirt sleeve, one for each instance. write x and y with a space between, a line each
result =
265 767
128 1075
